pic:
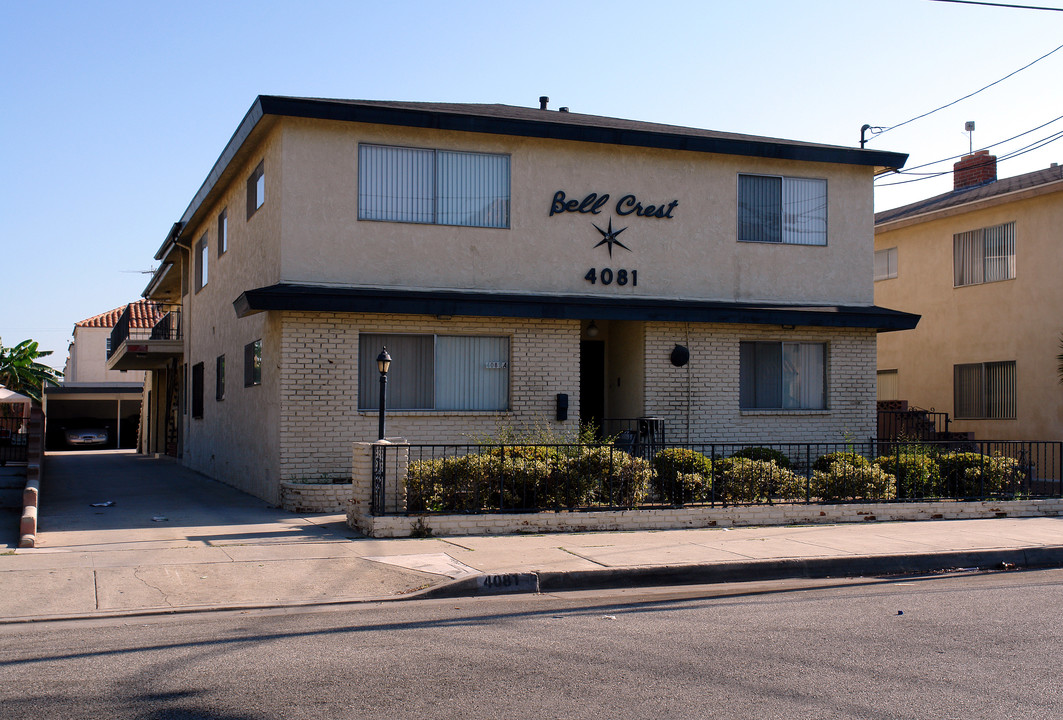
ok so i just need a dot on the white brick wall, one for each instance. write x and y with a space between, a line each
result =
319 418
319 386
700 401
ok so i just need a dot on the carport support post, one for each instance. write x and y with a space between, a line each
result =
118 426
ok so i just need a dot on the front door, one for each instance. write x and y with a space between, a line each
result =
591 382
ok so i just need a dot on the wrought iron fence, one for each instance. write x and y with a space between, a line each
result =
476 479
912 424
167 327
13 439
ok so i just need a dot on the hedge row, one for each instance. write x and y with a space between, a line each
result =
531 477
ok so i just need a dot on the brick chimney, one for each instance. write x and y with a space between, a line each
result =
974 170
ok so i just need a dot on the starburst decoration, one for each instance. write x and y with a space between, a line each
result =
609 237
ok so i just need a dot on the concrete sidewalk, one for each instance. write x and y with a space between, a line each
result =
175 541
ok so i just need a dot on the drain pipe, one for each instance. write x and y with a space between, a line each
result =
689 388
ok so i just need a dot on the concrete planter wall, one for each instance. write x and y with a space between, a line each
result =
700 517
360 518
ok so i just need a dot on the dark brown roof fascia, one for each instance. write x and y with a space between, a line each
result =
316 298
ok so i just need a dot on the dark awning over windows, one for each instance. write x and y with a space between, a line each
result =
318 298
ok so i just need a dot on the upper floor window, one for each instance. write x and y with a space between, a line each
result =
223 231
202 263
256 189
782 376
435 372
438 187
886 264
787 210
984 255
984 391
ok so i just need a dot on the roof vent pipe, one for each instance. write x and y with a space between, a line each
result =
543 100
562 109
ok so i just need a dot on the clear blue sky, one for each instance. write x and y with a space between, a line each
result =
114 112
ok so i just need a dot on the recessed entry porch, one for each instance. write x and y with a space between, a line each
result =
612 389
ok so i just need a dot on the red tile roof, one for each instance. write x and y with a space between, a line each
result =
142 314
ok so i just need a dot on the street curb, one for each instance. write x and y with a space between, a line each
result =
753 570
486 585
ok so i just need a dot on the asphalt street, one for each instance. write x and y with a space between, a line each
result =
966 645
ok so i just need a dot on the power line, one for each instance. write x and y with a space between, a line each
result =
908 171
1000 4
1036 145
920 117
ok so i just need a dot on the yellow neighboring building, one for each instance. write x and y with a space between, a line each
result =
981 265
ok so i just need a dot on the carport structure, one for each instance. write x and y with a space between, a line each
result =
114 406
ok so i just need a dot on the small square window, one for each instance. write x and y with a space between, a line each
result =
253 363
256 189
886 264
223 231
219 378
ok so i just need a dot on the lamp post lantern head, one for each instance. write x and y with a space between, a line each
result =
383 361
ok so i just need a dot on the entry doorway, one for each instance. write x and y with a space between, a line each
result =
591 382
612 374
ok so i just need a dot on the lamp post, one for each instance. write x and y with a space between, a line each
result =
383 364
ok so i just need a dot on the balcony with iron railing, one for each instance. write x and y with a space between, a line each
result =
146 339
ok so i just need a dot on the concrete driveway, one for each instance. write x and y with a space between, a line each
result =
118 499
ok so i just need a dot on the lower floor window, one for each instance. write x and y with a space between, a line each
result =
984 391
782 376
253 363
435 372
219 378
888 387
197 390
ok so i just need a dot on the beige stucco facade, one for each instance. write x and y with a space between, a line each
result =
301 421
1016 320
87 362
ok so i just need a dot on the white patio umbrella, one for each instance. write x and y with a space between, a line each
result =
10 397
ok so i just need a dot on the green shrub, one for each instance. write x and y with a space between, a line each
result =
607 476
823 462
682 476
968 474
917 474
765 454
739 479
471 483
853 481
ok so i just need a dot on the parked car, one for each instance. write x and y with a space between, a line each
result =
87 436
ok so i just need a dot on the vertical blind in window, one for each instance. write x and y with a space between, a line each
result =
886 264
775 375
430 372
984 391
792 211
427 186
984 255
888 385
473 189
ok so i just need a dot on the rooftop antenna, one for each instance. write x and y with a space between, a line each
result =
969 129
